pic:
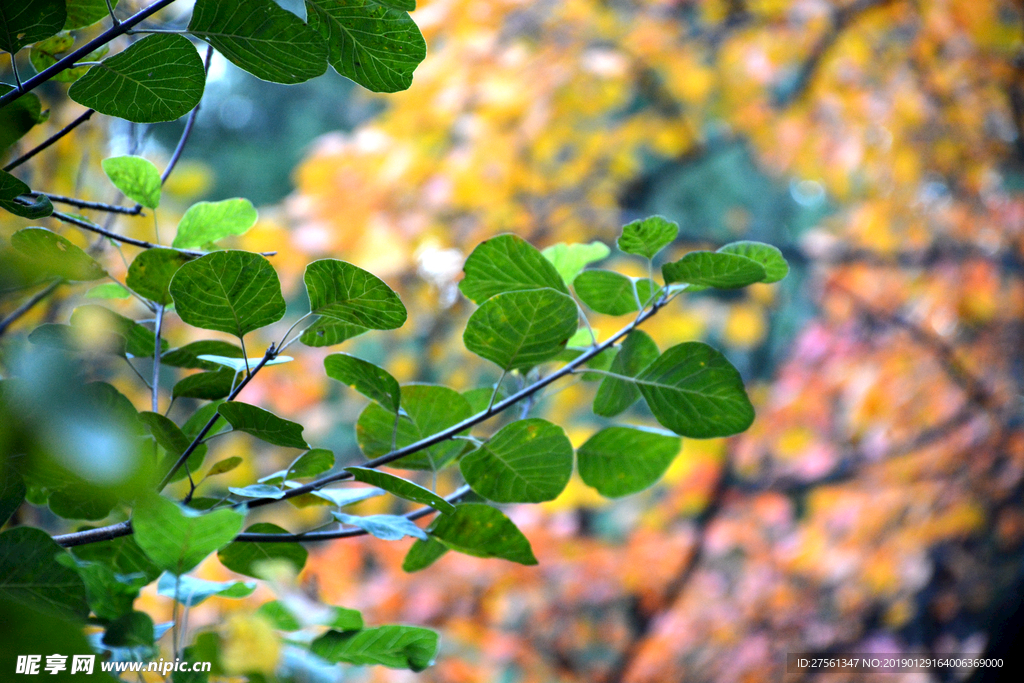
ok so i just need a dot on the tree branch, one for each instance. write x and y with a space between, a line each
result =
70 60
95 206
28 305
49 141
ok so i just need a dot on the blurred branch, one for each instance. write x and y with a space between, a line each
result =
95 206
180 147
643 621
51 140
69 61
841 19
28 305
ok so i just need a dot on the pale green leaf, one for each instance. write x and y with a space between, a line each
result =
647 236
384 527
570 259
769 257
207 222
136 177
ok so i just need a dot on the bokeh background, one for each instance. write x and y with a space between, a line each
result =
876 503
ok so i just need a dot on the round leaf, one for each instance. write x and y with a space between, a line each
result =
521 329
229 291
770 257
176 539
207 222
618 461
647 236
615 395
570 259
611 293
482 531
348 293
243 557
263 424
528 461
369 380
507 263
23 22
151 272
712 269
55 255
136 177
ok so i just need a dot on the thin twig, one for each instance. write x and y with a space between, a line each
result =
156 358
95 206
49 141
189 123
29 303
69 61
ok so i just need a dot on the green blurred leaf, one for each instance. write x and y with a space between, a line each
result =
712 269
91 318
347 496
694 391
618 461
188 356
28 207
207 222
647 236
527 461
615 395
520 329
422 554
397 647
769 257
223 466
228 291
31 575
109 290
280 616
12 492
263 424
136 177
199 419
176 539
350 294
82 13
312 463
384 527
371 42
403 488
257 491
123 555
131 631
110 595
46 53
240 364
261 38
369 380
243 557
507 263
151 272
328 332
55 255
429 409
19 117
190 591
570 259
482 531
207 386
610 293
82 501
159 78
23 22
173 440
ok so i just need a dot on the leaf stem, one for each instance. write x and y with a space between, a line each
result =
14 68
281 346
28 305
68 61
110 8
50 140
156 358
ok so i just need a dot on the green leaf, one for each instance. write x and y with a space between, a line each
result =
403 488
19 117
328 332
207 222
369 380
55 255
23 22
769 257
82 502
694 391
151 272
190 591
199 419
397 647
570 259
615 395
312 463
261 38
31 575
243 558
223 466
28 207
82 13
134 630
610 293
257 491
520 329
647 236
618 461
207 386
286 619
110 595
263 424
159 78
12 492
109 290
528 461
228 291
422 554
173 440
139 341
350 294
384 527
711 269
136 177
123 555
507 263
369 41
482 531
347 496
428 409
46 53
280 616
10 186
176 539
240 364
188 356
